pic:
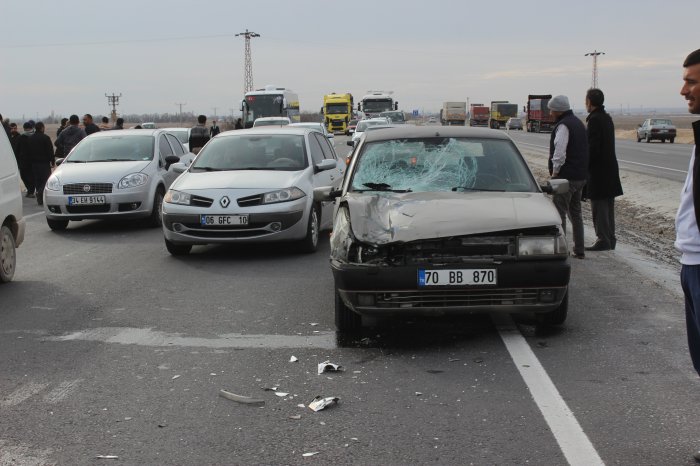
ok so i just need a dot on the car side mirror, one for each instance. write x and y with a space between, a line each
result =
178 167
325 164
556 186
326 193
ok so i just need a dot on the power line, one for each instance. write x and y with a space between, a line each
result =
594 78
248 66
181 104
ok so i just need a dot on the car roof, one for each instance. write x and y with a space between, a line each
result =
128 132
411 131
286 129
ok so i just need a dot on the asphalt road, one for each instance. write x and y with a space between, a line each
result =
664 160
110 346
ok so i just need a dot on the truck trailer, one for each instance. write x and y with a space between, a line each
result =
539 118
501 110
478 115
453 113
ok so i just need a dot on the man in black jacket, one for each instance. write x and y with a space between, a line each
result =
70 136
568 159
90 126
24 162
199 135
603 184
42 159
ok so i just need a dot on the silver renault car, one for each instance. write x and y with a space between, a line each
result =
253 185
113 174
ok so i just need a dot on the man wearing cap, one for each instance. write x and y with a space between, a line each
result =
568 159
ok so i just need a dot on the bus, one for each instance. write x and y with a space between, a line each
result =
269 102
376 102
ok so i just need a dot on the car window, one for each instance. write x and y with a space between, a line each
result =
164 147
113 149
328 152
284 152
442 164
175 144
182 136
316 152
661 122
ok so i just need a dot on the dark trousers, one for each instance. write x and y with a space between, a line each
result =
569 204
690 281
27 175
603 212
42 171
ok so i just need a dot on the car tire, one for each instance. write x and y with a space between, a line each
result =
671 140
638 138
648 138
557 316
156 218
8 255
57 225
177 249
310 243
346 320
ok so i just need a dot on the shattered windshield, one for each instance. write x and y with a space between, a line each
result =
441 164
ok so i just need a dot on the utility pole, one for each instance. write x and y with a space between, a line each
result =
214 108
181 104
594 79
113 100
248 66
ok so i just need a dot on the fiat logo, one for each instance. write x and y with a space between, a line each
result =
86 188
225 201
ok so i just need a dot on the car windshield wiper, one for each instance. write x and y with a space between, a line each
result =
208 169
382 187
470 188
75 161
113 160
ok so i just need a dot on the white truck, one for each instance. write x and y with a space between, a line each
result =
453 114
376 102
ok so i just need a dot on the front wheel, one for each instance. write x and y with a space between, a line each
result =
57 225
671 140
178 249
638 138
156 218
345 319
648 138
8 255
310 243
557 316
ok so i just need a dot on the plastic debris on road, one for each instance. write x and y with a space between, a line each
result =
107 457
295 417
327 366
293 359
320 402
281 394
241 399
175 377
311 453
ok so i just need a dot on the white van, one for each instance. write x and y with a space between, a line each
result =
11 221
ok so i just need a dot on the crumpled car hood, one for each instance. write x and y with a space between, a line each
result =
382 218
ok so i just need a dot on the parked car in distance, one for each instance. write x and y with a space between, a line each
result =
514 123
432 120
12 224
148 125
362 125
252 186
271 121
113 175
317 126
445 221
656 128
351 127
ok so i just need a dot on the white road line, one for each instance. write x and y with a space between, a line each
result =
62 391
24 392
33 215
653 166
572 440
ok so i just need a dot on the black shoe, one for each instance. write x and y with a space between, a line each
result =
599 246
578 256
612 244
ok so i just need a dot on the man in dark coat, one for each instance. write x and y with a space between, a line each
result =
24 162
42 159
603 172
70 136
214 130
90 126
199 135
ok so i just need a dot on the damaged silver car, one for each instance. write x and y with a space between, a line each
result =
442 221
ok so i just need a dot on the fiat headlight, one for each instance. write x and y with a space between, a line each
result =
537 245
53 183
132 181
283 195
177 197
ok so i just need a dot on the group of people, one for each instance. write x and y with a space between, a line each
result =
200 134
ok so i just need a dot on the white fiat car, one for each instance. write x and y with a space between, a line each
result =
111 175
253 185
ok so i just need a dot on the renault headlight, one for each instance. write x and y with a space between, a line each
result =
283 195
537 245
133 180
53 183
177 197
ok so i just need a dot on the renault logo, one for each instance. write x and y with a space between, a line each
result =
225 201
86 188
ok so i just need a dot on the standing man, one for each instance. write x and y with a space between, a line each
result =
568 159
199 134
24 161
214 130
42 159
104 126
90 126
119 124
603 184
14 134
70 136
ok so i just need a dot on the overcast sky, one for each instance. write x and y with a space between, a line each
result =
64 56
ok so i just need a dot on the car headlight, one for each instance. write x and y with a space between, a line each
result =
53 183
541 245
283 195
177 197
341 236
132 180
